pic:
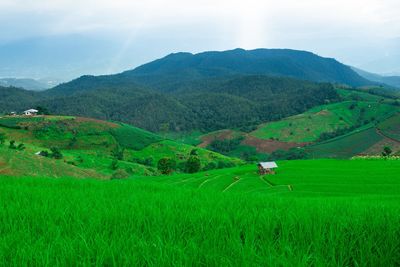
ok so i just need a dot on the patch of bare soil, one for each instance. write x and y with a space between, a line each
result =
269 146
323 112
377 148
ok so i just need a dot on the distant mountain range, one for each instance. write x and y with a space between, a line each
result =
389 80
25 83
176 70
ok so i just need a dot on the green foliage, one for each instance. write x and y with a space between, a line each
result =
387 151
56 153
193 164
291 154
166 165
225 146
12 145
42 110
120 174
114 164
118 153
21 146
2 138
131 137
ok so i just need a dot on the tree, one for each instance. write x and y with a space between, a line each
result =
166 165
21 146
118 153
56 153
12 145
2 138
42 110
44 153
114 164
386 151
194 152
193 164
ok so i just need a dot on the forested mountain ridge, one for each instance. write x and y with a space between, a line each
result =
175 70
205 105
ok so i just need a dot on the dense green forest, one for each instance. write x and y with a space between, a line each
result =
206 105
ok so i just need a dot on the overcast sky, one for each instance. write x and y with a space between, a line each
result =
60 38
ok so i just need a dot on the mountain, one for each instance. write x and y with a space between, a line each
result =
28 84
276 62
175 70
16 99
389 80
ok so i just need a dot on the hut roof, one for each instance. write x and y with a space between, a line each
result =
268 165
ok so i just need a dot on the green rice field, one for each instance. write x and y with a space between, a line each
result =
335 213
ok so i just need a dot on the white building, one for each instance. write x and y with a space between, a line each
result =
30 112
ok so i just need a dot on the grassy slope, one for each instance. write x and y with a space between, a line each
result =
89 143
307 127
17 163
340 213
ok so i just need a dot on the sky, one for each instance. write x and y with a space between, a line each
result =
63 39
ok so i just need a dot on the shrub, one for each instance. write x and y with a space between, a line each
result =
114 164
2 138
166 165
12 145
386 151
21 146
56 153
120 174
193 164
210 166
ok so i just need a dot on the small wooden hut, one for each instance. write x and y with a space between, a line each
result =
267 167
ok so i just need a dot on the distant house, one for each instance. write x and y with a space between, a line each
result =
267 167
30 112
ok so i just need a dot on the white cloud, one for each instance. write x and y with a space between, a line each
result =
323 26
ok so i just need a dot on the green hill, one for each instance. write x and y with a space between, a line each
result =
96 145
308 126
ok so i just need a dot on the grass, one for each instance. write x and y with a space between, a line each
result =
340 213
89 144
391 127
346 146
134 138
308 127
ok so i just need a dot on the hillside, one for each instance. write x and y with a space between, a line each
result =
93 146
312 134
389 80
206 105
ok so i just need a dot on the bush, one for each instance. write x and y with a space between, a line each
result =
2 138
120 174
210 166
193 164
21 146
166 165
56 153
44 153
12 145
114 164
